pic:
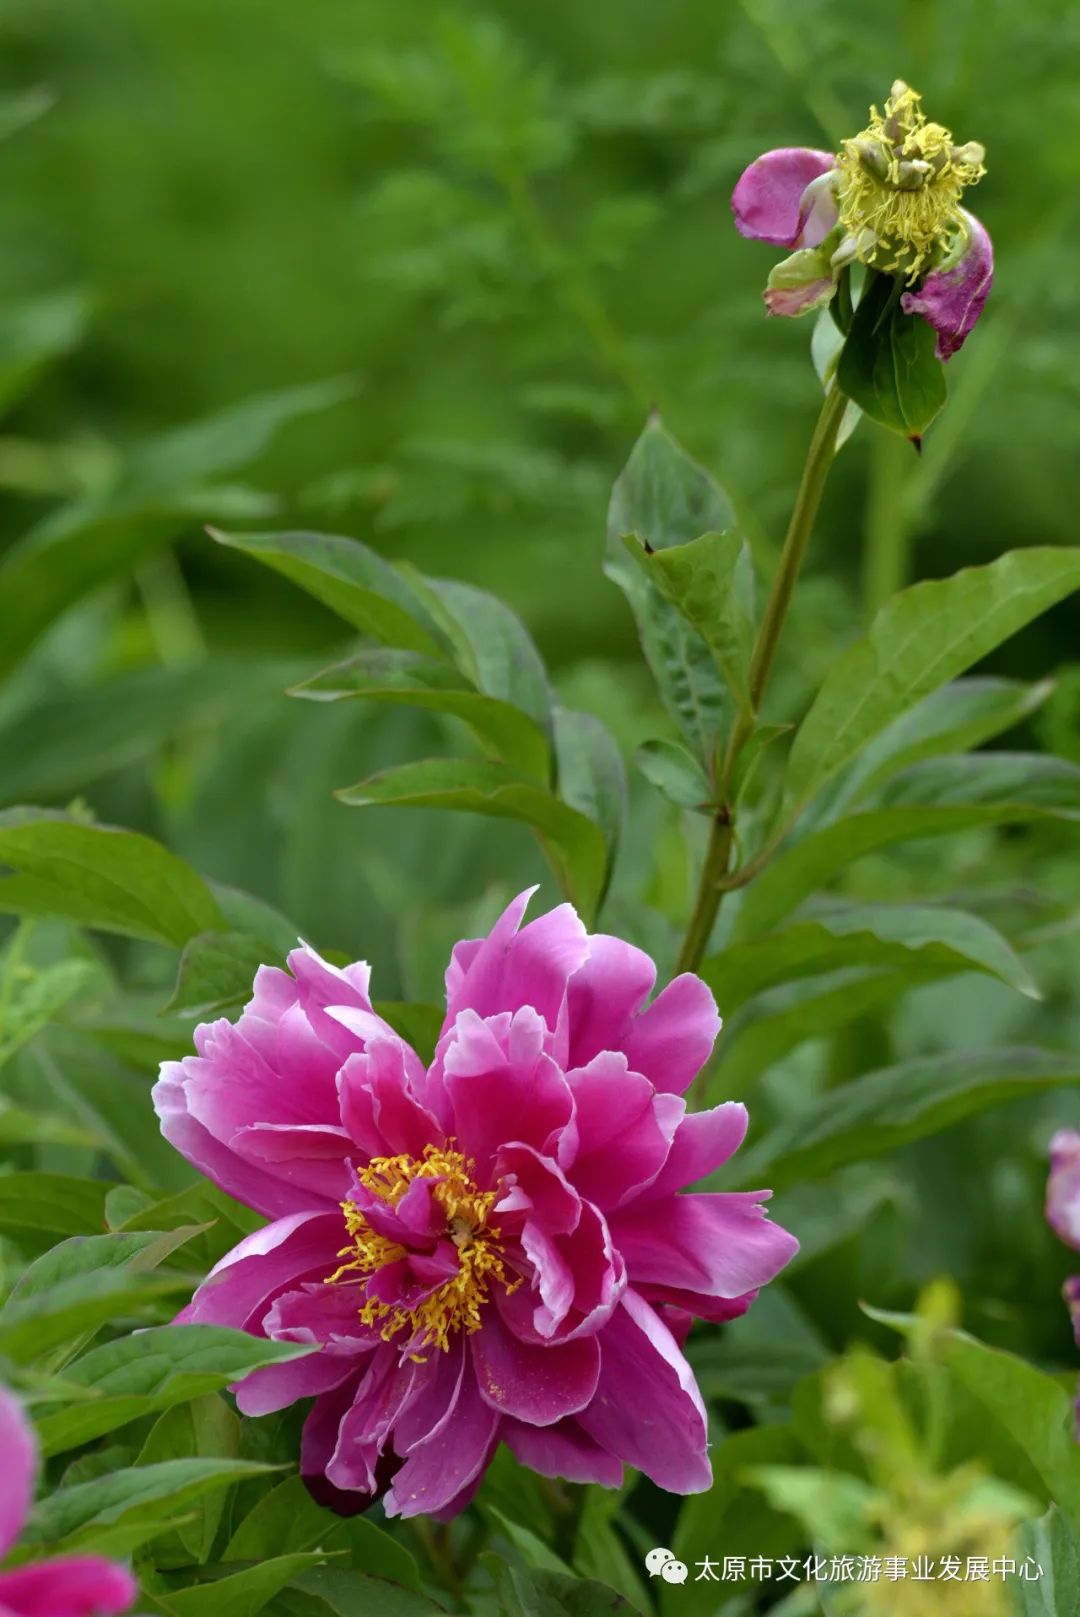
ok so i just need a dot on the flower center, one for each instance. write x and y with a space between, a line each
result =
454 1304
900 186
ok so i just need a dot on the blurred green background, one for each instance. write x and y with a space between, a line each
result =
506 233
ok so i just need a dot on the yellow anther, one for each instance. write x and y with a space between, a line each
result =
456 1304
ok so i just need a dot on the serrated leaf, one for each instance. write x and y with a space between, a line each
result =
144 1374
676 773
710 582
933 798
932 938
887 1109
888 366
100 876
347 577
409 679
666 499
575 845
919 640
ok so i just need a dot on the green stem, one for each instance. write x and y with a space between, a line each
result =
887 549
721 838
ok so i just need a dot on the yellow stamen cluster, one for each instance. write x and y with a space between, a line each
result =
456 1304
899 187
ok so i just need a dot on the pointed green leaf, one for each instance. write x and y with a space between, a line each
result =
1052 1544
676 773
410 679
348 578
238 1594
287 1520
921 639
54 1202
575 845
710 581
216 972
666 499
99 876
888 366
592 779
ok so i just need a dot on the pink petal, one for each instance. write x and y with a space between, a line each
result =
1063 1188
621 1141
449 1461
768 200
436 1388
502 1086
535 1187
720 1245
19 1472
239 1288
70 1586
672 1040
647 1408
538 1385
703 1142
564 1450
511 968
378 1108
604 996
791 301
952 299
366 1424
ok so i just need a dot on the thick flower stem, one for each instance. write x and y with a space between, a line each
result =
721 839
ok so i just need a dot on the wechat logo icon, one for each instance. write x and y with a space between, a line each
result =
662 1564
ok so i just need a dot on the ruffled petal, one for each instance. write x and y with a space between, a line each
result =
19 1473
502 1085
538 1385
604 996
703 1142
444 1466
70 1586
768 200
647 1410
953 298
564 1450
240 1288
671 1041
621 1136
1063 1187
720 1245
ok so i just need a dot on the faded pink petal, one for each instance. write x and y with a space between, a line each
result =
952 299
70 1586
1063 1187
513 1241
768 201
19 1472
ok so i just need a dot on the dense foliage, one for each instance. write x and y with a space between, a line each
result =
427 278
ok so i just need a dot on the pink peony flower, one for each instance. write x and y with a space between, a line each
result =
70 1585
491 1249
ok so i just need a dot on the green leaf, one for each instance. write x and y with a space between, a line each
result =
36 331
40 999
410 679
99 876
144 1374
933 798
919 640
533 1592
32 1325
932 938
136 1501
591 776
667 500
91 540
575 845
491 645
204 1429
887 1109
888 366
216 972
1054 1545
337 1593
676 773
348 578
954 719
1033 1408
710 582
53 1202
419 1025
140 1251
599 1552
287 1520
238 1594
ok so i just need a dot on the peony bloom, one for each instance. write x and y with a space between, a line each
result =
1063 1207
490 1249
70 1585
890 199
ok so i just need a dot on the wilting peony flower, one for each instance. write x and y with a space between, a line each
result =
890 199
493 1248
70 1585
